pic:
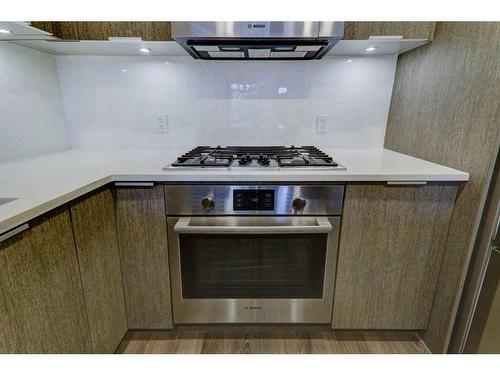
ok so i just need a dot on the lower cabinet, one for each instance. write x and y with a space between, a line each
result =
142 234
42 308
391 246
94 227
56 297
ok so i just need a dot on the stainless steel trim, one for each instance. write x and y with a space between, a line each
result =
14 231
485 318
252 310
253 225
406 182
254 29
328 29
132 184
322 200
273 166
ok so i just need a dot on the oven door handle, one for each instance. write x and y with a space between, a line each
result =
183 225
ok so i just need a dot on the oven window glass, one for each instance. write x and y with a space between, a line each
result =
253 266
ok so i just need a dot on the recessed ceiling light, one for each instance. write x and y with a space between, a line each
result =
3 31
124 70
145 50
349 61
370 49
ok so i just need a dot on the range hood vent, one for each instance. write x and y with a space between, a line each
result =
257 40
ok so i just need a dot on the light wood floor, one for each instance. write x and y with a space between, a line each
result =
268 340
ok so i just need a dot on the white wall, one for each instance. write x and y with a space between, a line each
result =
31 113
111 101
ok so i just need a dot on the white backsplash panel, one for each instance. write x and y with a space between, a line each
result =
114 102
31 111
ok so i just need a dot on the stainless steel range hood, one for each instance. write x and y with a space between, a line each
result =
257 40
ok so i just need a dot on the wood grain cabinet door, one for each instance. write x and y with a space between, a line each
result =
408 30
149 31
42 308
103 30
61 30
142 234
94 226
391 246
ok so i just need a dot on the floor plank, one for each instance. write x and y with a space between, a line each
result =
268 340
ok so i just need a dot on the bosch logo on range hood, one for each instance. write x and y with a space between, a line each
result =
254 40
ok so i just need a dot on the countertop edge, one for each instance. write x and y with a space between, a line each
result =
31 213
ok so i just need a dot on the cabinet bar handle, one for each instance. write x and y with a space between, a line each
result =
14 231
125 184
406 182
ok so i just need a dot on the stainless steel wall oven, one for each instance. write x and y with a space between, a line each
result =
253 253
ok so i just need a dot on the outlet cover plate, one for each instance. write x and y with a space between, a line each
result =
161 122
321 124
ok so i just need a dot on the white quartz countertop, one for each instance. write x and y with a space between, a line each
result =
45 182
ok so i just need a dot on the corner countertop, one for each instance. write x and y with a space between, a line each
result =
45 182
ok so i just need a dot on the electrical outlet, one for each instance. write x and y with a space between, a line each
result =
321 124
161 122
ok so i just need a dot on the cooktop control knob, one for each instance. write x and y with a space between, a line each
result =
298 204
207 203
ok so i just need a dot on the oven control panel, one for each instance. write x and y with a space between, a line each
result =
253 200
264 199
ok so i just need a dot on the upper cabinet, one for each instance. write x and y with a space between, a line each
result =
160 31
408 30
61 30
149 31
392 38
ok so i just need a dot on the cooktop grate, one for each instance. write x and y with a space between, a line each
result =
293 156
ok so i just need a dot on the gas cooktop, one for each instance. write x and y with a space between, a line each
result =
259 157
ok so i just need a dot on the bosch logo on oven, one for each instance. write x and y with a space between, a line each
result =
256 26
252 307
